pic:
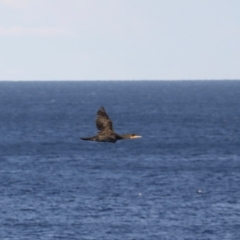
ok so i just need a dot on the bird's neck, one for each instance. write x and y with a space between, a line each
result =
125 136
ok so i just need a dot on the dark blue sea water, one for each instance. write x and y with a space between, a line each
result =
180 181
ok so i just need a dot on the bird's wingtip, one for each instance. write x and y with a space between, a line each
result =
102 108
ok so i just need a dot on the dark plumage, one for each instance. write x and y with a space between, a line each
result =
106 132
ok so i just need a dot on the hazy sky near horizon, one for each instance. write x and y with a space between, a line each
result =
119 39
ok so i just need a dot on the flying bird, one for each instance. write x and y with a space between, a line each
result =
106 133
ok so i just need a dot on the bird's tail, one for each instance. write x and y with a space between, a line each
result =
88 138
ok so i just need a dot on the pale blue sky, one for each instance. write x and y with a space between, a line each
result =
119 39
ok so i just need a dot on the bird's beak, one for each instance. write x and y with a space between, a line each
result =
136 136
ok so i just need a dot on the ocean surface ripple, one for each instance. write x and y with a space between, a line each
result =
180 181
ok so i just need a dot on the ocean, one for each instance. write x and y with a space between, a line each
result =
181 180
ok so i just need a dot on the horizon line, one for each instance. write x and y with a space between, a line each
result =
116 80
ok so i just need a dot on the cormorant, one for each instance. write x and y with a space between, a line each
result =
106 132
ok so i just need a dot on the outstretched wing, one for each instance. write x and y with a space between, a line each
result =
103 122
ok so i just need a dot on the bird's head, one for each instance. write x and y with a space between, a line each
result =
131 136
